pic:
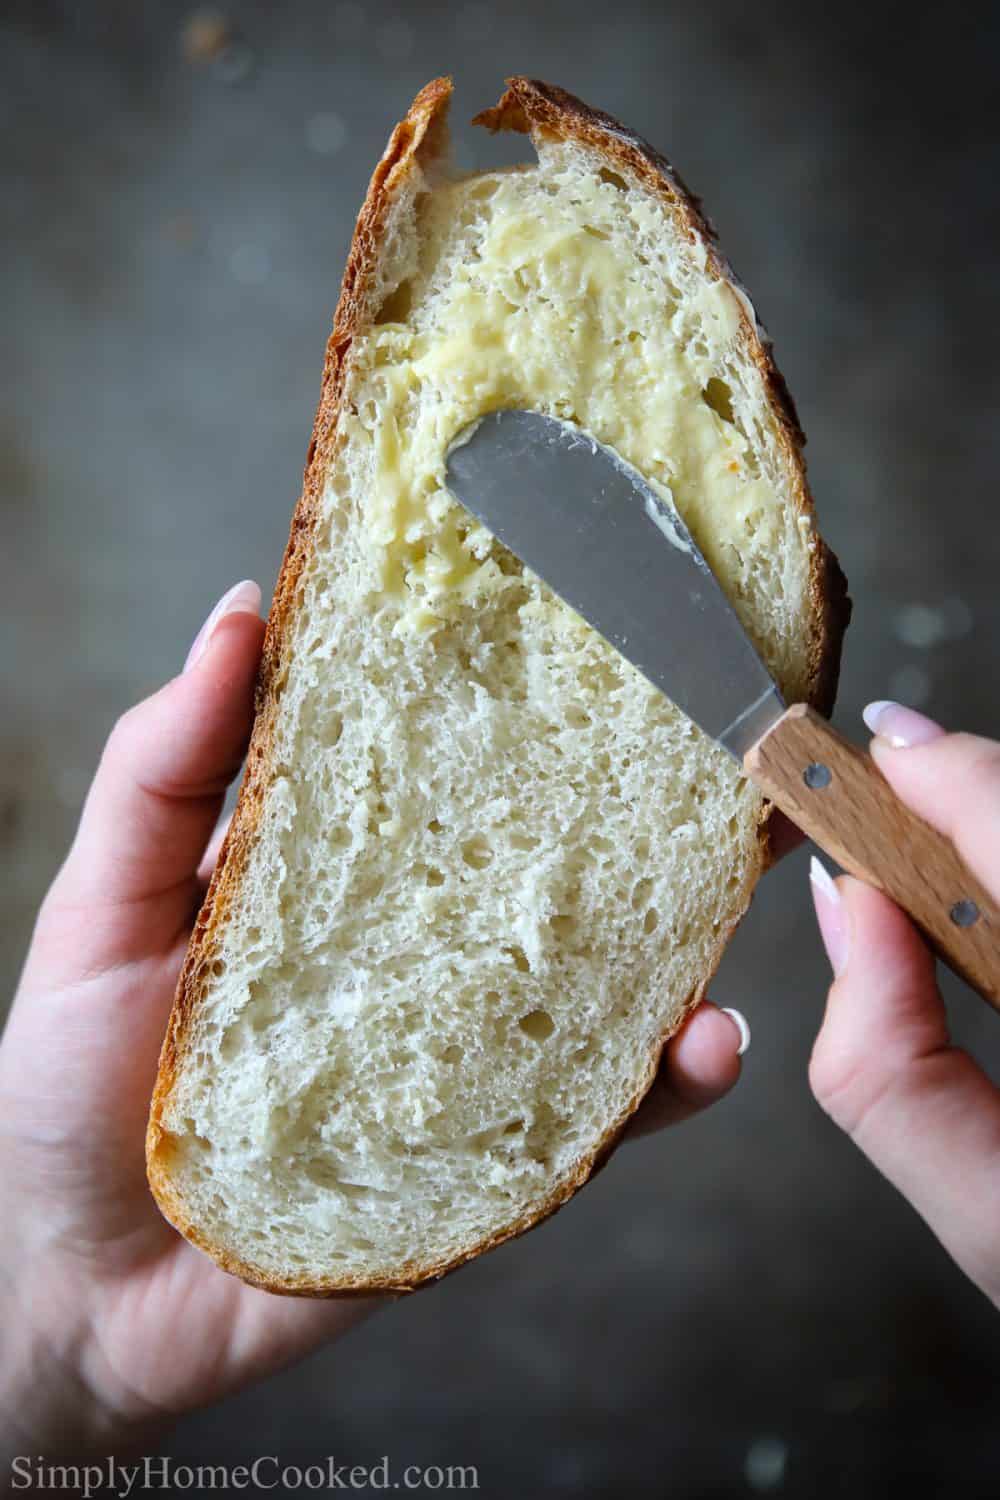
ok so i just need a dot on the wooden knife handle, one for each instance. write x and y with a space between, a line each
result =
837 795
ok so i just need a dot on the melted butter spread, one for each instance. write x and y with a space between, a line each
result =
547 297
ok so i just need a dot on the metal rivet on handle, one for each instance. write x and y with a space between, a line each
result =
964 913
817 776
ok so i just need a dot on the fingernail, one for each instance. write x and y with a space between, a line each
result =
742 1025
242 598
830 915
900 727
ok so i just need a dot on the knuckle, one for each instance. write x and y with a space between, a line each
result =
121 730
126 737
828 1077
846 1085
972 802
984 761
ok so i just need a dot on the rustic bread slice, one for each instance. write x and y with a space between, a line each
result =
480 870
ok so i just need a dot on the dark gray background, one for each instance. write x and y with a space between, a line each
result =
743 1302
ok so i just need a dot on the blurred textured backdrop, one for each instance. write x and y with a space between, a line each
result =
743 1306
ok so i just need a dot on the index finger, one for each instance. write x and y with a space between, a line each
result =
953 783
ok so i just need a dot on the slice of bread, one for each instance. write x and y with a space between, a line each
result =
480 870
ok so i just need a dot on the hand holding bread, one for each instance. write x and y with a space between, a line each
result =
94 1283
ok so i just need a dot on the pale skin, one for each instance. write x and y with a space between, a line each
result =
95 1286
883 1066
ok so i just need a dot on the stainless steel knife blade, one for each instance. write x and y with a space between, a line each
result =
618 553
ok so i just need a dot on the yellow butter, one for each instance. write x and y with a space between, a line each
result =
554 306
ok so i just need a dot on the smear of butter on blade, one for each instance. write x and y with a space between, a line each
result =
667 526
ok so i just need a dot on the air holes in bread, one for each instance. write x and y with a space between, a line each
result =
477 853
537 1024
397 306
719 397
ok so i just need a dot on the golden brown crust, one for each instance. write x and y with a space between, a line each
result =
540 109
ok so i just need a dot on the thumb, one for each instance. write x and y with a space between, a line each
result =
157 792
884 1069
